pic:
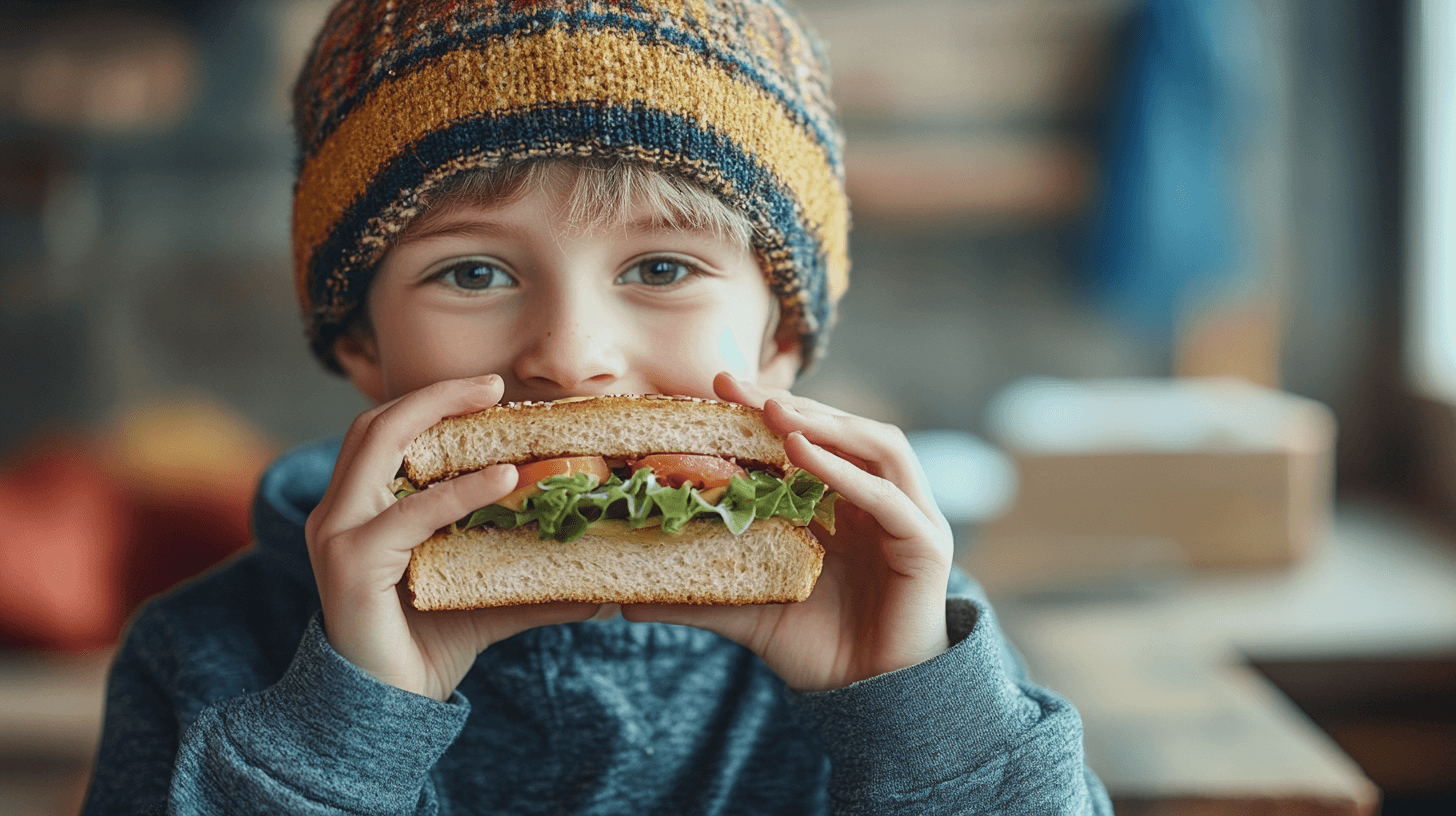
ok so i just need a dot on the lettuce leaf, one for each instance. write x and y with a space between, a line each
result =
569 505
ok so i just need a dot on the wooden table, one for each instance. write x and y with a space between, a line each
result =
1177 721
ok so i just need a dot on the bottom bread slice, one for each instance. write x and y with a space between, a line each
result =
771 562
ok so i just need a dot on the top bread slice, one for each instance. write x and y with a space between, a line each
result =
615 427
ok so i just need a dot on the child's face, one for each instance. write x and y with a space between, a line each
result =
514 290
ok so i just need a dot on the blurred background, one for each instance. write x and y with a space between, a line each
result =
1121 269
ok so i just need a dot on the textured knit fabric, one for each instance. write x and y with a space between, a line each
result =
227 698
732 94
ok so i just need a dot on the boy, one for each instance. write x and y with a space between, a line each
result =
537 200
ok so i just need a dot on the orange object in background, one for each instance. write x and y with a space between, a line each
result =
63 531
90 527
190 468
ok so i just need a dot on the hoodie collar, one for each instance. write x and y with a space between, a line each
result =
291 487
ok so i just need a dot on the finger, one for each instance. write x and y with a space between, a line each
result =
900 517
363 491
382 445
414 518
342 463
730 389
354 437
879 447
356 434
882 448
744 392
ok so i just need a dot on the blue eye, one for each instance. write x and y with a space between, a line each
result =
475 275
656 272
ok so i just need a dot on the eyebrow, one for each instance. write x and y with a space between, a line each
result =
448 228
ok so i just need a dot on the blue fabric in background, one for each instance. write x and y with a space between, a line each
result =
1165 229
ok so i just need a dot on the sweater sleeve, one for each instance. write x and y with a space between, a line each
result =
962 733
325 739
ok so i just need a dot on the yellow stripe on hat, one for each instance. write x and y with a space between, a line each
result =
581 66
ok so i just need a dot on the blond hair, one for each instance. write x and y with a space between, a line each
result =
598 194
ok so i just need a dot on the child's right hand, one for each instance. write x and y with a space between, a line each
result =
360 537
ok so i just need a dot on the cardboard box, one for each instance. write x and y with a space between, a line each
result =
1117 477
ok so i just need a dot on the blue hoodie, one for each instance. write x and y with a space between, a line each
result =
226 698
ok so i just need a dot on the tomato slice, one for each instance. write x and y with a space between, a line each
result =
678 469
529 474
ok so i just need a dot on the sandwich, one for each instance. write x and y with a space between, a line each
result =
619 499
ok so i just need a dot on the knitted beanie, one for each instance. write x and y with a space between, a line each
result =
733 95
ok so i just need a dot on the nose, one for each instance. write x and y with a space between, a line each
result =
572 347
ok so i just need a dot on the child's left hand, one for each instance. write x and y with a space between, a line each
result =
879 604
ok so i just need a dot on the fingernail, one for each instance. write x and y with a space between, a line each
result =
496 470
486 379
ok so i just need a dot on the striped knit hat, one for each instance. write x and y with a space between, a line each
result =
732 94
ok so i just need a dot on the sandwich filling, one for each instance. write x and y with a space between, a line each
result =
666 490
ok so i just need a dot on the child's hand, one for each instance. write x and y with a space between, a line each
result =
879 604
360 537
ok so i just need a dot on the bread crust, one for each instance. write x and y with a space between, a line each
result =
771 562
612 426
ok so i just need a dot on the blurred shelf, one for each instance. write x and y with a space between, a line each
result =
952 61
